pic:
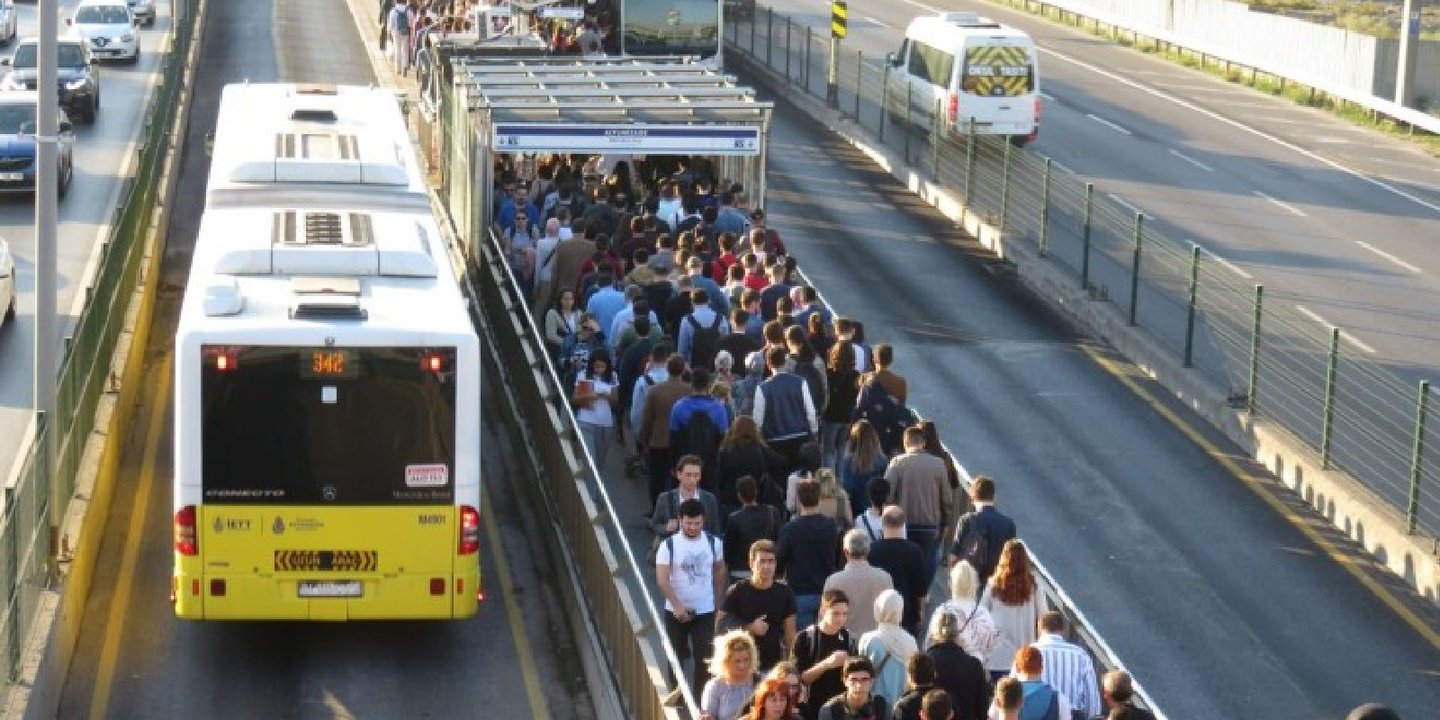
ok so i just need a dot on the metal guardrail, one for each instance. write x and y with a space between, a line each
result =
639 654
1360 416
1081 10
84 371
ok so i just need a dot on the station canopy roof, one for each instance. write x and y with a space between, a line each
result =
608 90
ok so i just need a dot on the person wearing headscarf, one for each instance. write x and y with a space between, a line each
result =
888 646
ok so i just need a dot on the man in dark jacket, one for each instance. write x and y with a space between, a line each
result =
902 559
982 533
920 671
784 410
807 552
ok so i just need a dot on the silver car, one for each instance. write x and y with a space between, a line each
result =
144 11
7 284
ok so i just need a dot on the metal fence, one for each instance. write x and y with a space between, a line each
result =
1360 415
633 638
84 371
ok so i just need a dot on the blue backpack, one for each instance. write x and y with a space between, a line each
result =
1041 702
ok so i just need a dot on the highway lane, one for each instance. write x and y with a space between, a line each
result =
135 660
104 155
1329 216
1220 605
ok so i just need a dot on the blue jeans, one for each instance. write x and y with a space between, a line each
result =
807 610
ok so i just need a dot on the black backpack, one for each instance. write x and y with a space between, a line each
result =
974 546
886 415
701 437
704 341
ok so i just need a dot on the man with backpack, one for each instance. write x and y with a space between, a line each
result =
982 533
399 23
698 423
821 651
701 330
857 702
1042 702
690 570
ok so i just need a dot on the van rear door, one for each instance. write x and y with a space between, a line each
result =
998 85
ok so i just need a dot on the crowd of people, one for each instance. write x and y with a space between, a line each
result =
800 510
405 24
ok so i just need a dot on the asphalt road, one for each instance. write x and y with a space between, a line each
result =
1218 604
1332 218
136 660
104 155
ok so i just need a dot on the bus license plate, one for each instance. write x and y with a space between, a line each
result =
331 588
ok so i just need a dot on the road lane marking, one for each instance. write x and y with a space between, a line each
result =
538 707
1229 265
1125 203
1046 97
1191 160
1242 126
1282 204
124 582
877 22
1388 256
923 6
1267 495
1307 312
1107 123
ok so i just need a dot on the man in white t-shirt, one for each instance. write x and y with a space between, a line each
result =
690 570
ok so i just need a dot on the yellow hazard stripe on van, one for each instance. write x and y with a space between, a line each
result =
327 560
998 70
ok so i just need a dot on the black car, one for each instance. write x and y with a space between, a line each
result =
79 78
18 125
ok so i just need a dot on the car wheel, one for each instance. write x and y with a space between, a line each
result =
134 59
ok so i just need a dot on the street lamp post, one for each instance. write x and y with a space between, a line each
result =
47 176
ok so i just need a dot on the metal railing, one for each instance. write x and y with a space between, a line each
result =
84 371
1361 416
633 638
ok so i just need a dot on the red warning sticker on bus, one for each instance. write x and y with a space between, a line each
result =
435 475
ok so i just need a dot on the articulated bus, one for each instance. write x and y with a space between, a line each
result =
327 375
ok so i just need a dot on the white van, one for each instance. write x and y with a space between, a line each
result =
973 69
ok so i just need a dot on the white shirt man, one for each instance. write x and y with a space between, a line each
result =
1067 668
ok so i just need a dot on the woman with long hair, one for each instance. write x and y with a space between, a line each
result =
1015 604
861 462
773 700
732 677
743 452
976 629
594 388
819 339
959 499
561 321
888 646
842 386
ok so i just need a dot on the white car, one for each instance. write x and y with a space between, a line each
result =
7 284
109 27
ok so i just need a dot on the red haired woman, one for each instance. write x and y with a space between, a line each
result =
1015 604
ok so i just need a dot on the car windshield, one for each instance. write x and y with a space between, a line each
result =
70 54
17 119
102 15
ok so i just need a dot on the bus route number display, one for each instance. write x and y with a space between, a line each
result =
329 363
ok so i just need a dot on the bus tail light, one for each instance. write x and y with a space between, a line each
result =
185 538
953 107
469 530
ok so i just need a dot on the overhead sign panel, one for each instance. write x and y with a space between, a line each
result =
658 139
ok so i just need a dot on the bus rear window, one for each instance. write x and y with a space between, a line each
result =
998 71
328 426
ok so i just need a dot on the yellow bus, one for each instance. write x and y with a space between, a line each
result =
327 375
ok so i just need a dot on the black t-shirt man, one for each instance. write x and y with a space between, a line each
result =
744 603
812 646
906 565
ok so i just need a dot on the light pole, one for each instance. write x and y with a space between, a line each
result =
47 177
